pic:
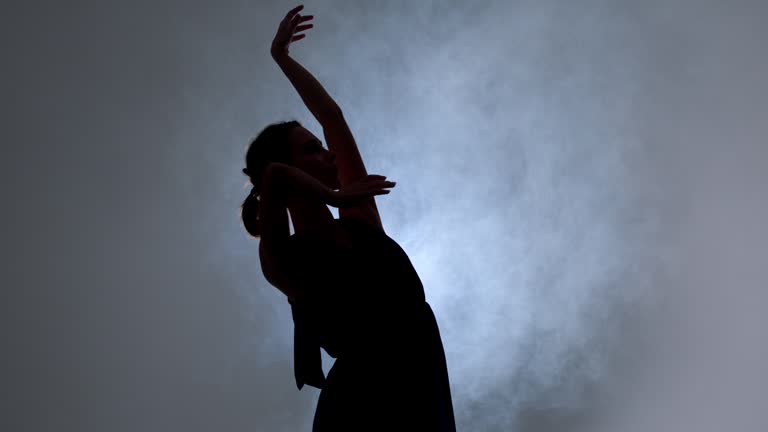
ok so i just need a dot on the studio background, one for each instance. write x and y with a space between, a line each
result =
580 186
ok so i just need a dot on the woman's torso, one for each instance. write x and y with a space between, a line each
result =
359 285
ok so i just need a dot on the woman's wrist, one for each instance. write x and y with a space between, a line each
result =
278 54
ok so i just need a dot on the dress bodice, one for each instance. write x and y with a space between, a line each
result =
373 269
354 297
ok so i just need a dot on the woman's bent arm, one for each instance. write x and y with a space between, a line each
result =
275 234
280 182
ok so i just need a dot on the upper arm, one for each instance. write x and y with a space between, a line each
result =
275 235
351 167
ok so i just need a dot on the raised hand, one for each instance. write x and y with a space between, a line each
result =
288 30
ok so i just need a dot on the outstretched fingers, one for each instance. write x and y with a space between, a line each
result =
292 12
299 28
300 19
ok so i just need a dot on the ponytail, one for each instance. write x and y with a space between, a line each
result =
250 213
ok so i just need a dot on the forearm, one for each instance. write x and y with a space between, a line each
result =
292 183
317 100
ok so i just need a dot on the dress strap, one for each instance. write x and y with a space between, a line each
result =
307 358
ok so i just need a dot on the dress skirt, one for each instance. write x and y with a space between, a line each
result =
399 382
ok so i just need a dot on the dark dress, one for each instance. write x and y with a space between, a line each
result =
365 307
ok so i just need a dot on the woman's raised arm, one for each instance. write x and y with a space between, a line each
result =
327 112
317 100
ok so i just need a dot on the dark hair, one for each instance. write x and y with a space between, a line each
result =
270 145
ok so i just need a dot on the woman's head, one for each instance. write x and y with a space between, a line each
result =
289 143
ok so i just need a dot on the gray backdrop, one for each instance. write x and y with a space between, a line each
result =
580 185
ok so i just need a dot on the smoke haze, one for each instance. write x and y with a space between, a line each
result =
580 186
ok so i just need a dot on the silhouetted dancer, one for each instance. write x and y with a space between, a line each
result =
352 289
